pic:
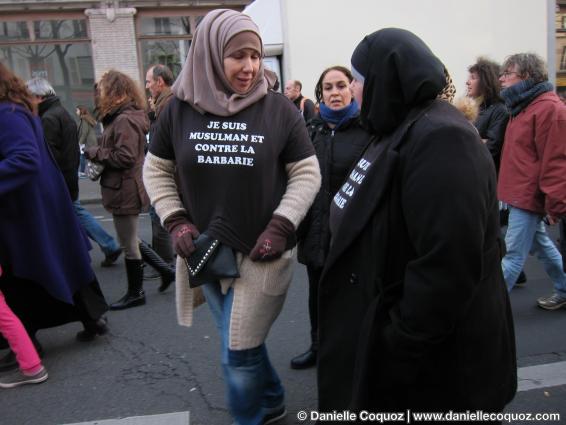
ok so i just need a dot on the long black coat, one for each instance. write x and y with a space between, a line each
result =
413 310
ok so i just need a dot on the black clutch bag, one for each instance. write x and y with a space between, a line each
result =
210 262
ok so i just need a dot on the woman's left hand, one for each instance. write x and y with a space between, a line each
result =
91 152
272 242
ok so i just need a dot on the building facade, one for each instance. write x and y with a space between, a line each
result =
72 43
322 33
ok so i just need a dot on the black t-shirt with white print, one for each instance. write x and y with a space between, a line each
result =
231 170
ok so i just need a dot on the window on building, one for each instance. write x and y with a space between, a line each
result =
563 59
165 40
11 31
60 29
58 50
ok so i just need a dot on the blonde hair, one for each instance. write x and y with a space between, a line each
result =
467 106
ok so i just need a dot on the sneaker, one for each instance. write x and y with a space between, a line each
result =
13 379
111 258
273 415
554 302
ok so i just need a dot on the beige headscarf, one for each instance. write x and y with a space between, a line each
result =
202 82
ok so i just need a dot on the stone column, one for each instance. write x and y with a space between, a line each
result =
114 45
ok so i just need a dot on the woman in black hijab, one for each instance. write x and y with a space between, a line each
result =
413 310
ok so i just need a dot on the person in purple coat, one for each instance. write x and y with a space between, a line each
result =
48 280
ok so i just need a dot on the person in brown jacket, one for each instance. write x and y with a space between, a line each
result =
121 150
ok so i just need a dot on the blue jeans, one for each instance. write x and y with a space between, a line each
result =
82 163
253 388
107 243
526 234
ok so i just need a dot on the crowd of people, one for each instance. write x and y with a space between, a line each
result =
414 220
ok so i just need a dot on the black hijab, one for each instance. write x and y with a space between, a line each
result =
400 72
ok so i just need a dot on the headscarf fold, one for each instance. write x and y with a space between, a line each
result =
202 82
400 72
448 93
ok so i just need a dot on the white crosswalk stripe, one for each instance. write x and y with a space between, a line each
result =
177 418
542 376
530 378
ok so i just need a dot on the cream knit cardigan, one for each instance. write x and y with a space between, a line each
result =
302 186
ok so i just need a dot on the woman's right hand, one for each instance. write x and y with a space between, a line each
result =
182 233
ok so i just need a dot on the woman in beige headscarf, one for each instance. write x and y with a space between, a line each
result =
247 175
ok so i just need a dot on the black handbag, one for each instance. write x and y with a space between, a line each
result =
210 261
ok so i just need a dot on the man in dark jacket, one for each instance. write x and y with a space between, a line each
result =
304 105
61 136
158 81
531 177
413 310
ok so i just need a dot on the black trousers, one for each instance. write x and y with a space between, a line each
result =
314 274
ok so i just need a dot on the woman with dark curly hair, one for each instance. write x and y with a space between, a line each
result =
121 107
483 86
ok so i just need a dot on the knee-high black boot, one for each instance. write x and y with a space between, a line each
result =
167 271
135 295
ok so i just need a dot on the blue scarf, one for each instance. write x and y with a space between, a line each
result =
520 95
339 116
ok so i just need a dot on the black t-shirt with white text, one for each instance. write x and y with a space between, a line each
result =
231 170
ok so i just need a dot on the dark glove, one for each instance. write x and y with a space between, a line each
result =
182 233
272 242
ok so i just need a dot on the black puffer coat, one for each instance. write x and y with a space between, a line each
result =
61 135
336 151
491 123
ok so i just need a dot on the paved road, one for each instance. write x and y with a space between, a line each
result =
150 368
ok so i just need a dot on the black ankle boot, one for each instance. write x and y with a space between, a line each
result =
92 329
166 270
135 295
305 360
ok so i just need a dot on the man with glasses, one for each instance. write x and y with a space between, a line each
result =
533 168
